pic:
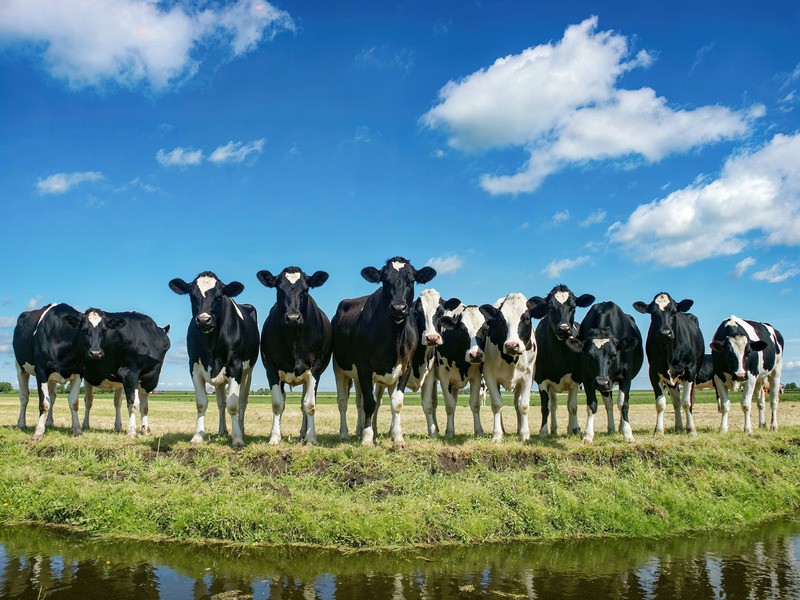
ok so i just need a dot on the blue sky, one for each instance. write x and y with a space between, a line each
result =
622 148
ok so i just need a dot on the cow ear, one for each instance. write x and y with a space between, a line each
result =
627 343
452 304
758 345
166 328
537 307
717 346
584 300
266 278
179 286
489 311
447 322
640 307
317 279
233 289
116 322
371 274
685 305
425 274
574 344
72 321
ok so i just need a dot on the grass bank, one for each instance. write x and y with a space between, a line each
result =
435 491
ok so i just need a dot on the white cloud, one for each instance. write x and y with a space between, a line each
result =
383 57
6 349
6 322
33 302
742 266
560 217
557 267
596 217
445 264
236 152
791 364
756 195
62 182
179 157
777 273
133 42
560 102
177 355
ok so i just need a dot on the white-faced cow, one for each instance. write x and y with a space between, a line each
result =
374 338
460 361
123 351
751 353
23 361
556 363
675 352
222 342
510 358
611 353
45 344
295 344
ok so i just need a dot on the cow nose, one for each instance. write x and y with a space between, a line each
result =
293 318
563 326
475 356
204 319
399 307
602 382
95 354
433 338
740 375
666 332
513 348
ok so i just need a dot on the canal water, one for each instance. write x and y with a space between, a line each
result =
756 564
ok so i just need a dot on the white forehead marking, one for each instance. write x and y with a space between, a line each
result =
292 277
430 302
238 311
94 319
513 307
205 283
663 301
600 342
473 320
398 265
749 329
561 297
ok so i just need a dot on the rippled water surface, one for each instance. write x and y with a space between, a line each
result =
760 564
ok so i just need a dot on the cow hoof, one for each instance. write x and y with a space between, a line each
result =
497 439
575 431
196 439
145 430
275 440
773 428
692 433
543 432
630 440
311 441
222 432
587 439
49 423
132 434
345 437
524 437
399 444
37 436
238 445
658 431
77 433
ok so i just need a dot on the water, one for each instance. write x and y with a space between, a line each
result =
758 564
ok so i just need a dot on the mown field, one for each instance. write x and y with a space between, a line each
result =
464 490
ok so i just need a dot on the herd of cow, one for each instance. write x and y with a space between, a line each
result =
390 341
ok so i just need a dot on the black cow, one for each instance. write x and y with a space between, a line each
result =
556 363
55 351
374 338
222 342
751 353
295 344
123 350
611 353
675 352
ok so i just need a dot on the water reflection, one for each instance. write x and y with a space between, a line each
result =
761 563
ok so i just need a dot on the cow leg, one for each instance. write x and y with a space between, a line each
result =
428 390
475 405
661 401
687 403
118 410
675 396
221 395
623 403
88 401
278 403
572 407
611 426
201 399
552 403
774 396
591 409
379 389
244 395
232 404
761 401
450 394
342 394
309 408
23 379
132 398
747 400
435 405
368 398
723 403
52 390
144 406
497 407
73 401
397 396
522 401
544 400
44 404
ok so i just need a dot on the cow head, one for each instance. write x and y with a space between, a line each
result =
397 280
509 323
429 310
601 357
468 326
207 294
93 326
559 308
663 311
292 287
731 349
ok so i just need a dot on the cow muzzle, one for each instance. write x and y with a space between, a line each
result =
562 332
433 339
399 312
667 333
740 375
513 348
96 354
603 383
294 319
204 322
475 356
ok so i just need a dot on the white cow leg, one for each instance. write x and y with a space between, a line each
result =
747 401
523 402
309 409
686 403
23 380
379 389
44 406
342 395
661 406
774 398
552 399
73 401
52 389
572 408
588 434
676 405
201 399
450 402
624 423
244 395
428 389
761 401
723 404
237 437
88 401
118 410
278 405
475 405
397 408
145 409
497 407
220 393
133 407
611 425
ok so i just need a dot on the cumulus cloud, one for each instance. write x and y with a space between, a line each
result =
62 182
777 273
179 157
33 302
757 195
595 218
557 267
6 322
133 42
445 264
742 266
177 355
560 102
560 217
236 152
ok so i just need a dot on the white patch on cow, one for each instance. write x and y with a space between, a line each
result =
292 379
398 265
563 385
389 378
600 342
561 297
205 283
739 344
512 309
662 300
238 310
473 320
41 318
749 329
430 303
94 318
773 337
28 368
292 277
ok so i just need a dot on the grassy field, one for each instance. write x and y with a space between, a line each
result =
464 490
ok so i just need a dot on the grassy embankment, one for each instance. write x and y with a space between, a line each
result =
435 491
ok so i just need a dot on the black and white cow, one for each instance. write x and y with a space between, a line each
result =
611 353
295 344
675 352
56 358
750 353
556 363
510 358
123 351
460 361
222 342
374 338
23 361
